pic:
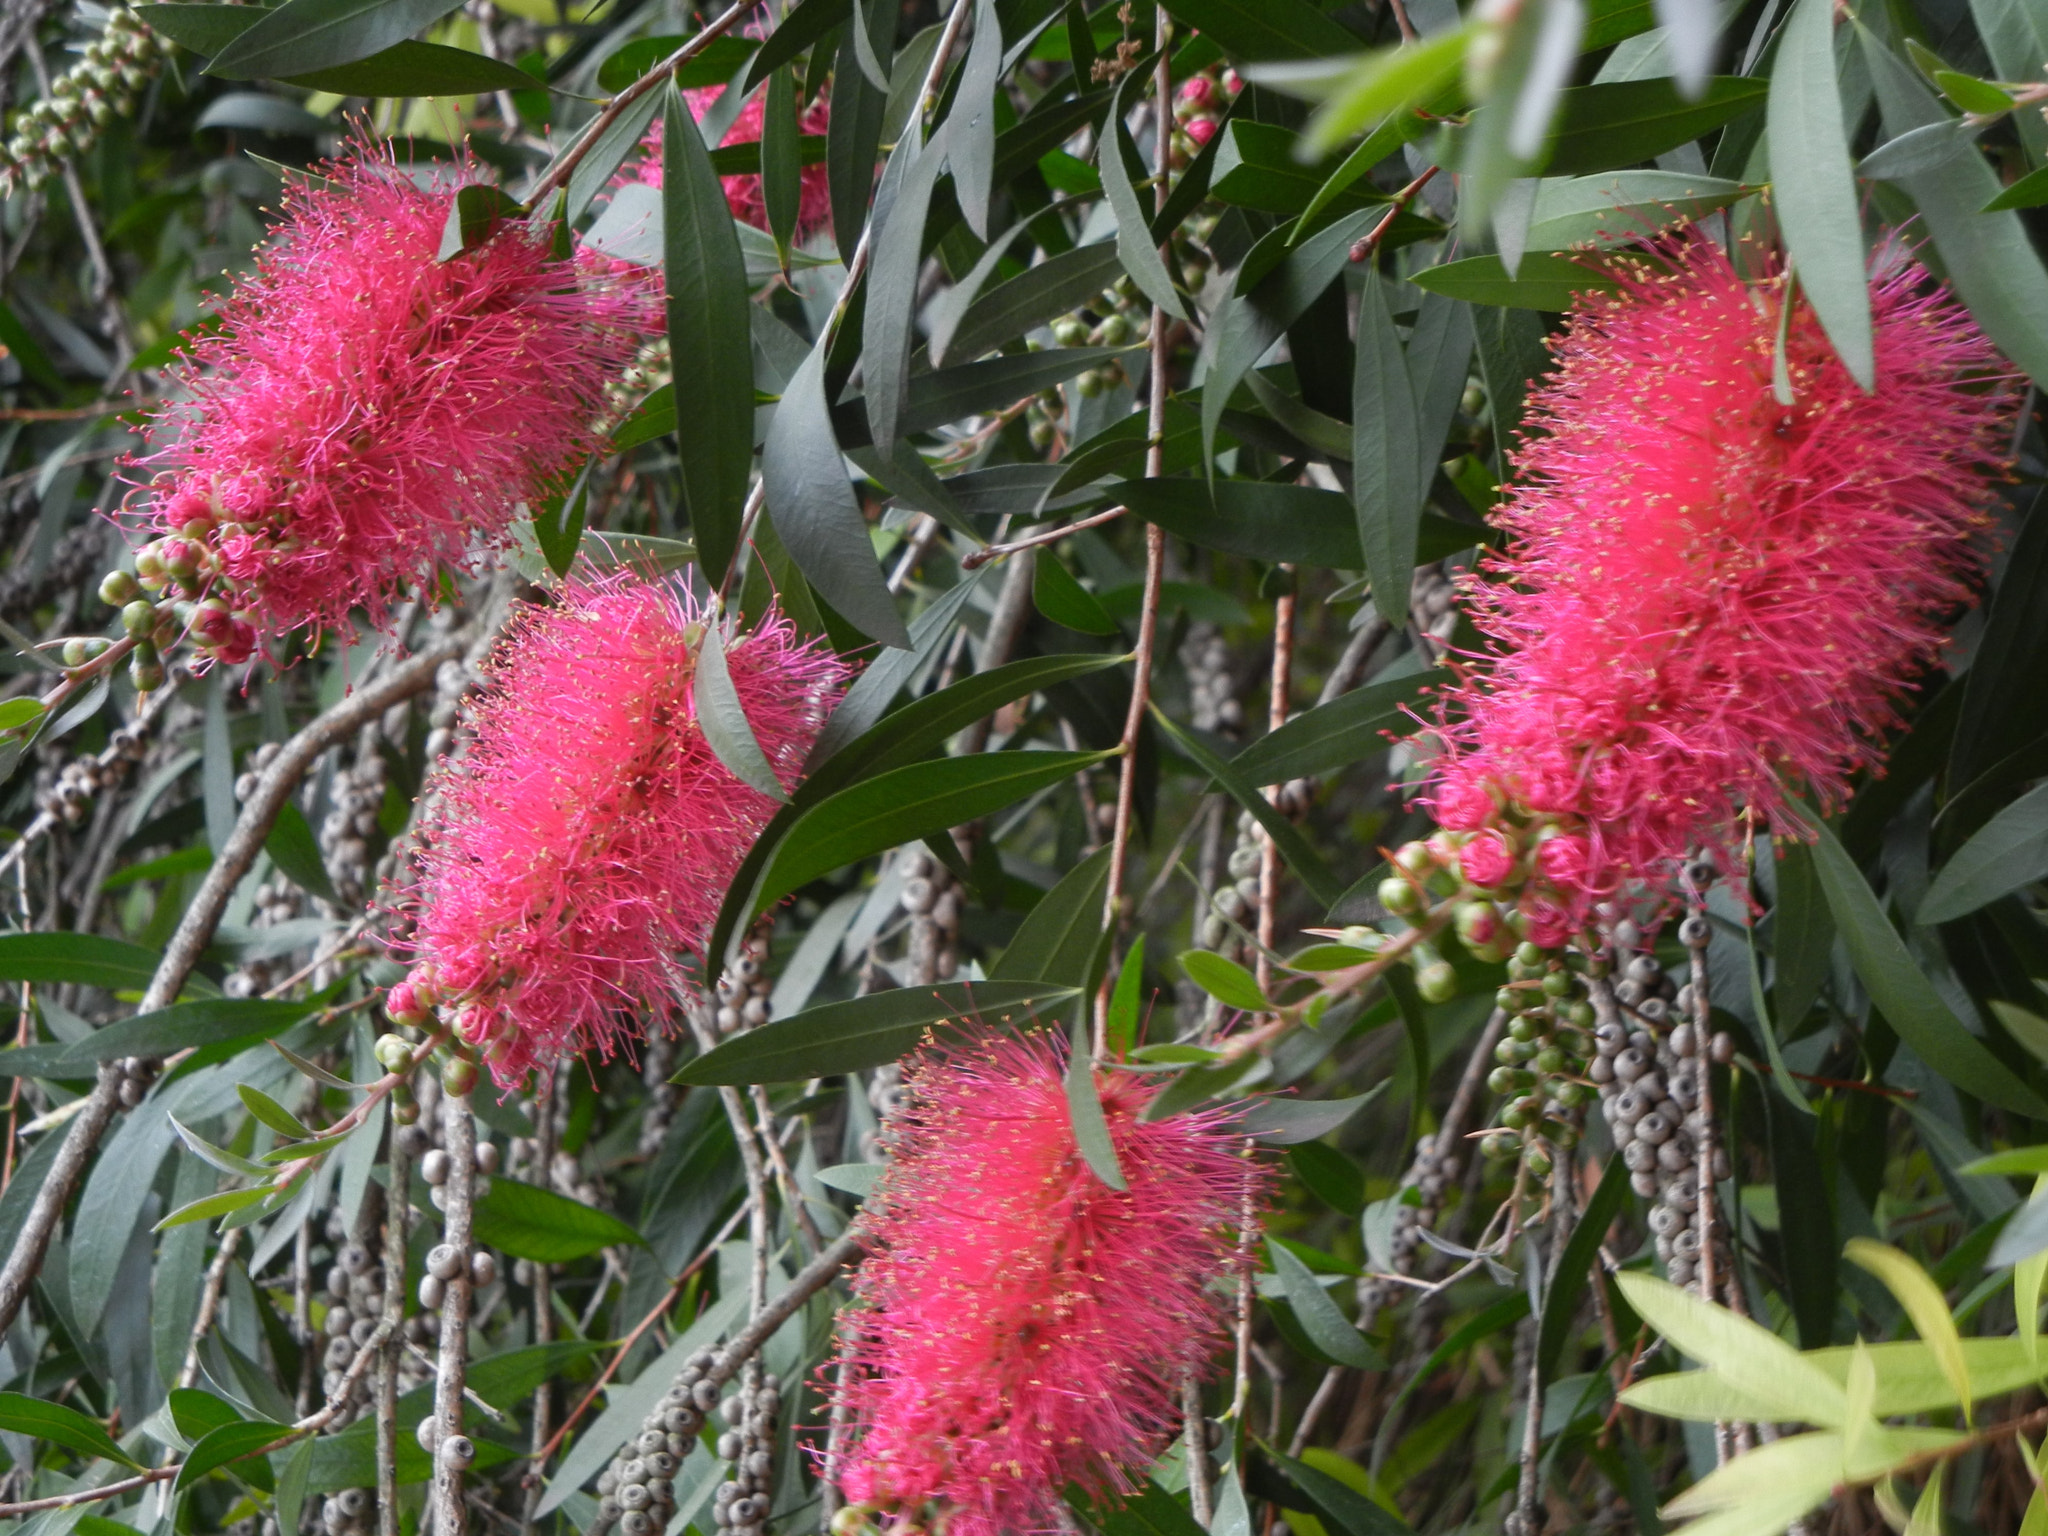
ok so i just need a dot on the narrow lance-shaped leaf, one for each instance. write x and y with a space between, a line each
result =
888 320
706 279
1384 430
723 717
971 124
1084 1108
1134 245
1815 186
815 512
781 165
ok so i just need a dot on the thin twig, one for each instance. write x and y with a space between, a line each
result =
458 1135
209 1303
1278 689
565 164
976 558
397 1208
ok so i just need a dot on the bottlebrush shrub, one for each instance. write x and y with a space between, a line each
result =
1709 600
367 412
582 844
743 192
1023 1326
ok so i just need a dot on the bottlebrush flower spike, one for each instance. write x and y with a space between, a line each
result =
582 845
743 191
1025 1325
1709 600
367 413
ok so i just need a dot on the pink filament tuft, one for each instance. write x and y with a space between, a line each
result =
743 190
1710 601
368 413
583 844
1025 1325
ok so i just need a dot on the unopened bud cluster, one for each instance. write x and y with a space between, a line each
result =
1197 109
741 1503
174 595
637 1491
1543 1054
82 100
744 987
69 799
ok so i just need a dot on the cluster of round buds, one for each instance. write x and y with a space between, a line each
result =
1503 876
1433 599
137 1073
1236 900
931 900
741 1503
1543 1055
638 1489
648 371
174 595
1197 109
435 1166
350 825
1650 1076
445 1264
355 1304
1212 692
349 1512
69 797
100 86
744 987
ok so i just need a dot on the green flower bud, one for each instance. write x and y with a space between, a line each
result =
1398 896
118 589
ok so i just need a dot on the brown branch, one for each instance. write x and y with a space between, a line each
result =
195 931
458 1134
976 558
558 174
1370 240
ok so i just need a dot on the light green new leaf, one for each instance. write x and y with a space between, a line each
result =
1814 185
2026 1285
1224 979
1751 1359
1923 1302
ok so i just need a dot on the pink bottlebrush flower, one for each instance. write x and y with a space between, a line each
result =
743 191
1463 805
582 845
1025 1325
1708 600
368 413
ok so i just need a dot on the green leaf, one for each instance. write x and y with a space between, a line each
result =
1814 185
1064 600
594 172
1346 1509
1540 281
1327 1328
16 714
226 1203
974 389
59 1425
198 1413
291 1485
1751 1359
1258 165
2008 854
80 959
781 164
1298 524
229 1443
1224 979
2030 191
558 523
1991 263
219 1157
857 1179
906 804
1578 1263
296 853
1350 729
529 1222
888 324
863 1032
1616 208
1374 87
1802 934
1904 995
1265 29
1084 1109
723 718
1386 490
814 510
714 64
185 1026
1059 937
1040 294
1922 1300
270 1112
1134 246
474 216
1288 1122
1310 866
1120 1026
414 69
301 36
971 120
1622 123
1979 97
1998 719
